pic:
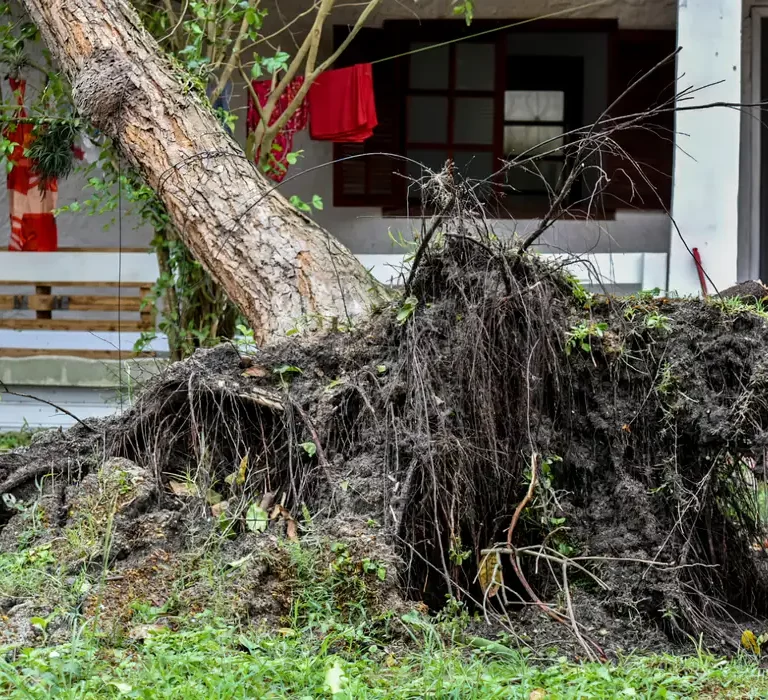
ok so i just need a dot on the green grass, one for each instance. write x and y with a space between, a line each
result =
207 659
10 441
338 634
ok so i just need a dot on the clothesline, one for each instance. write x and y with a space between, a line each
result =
518 23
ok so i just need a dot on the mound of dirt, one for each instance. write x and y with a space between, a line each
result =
556 460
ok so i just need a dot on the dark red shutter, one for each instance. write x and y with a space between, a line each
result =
373 181
650 144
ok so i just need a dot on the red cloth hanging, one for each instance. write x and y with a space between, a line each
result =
283 143
31 202
342 107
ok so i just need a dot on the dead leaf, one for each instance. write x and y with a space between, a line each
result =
489 574
183 488
239 562
141 632
218 509
267 501
256 371
241 472
538 694
213 497
626 428
749 642
292 528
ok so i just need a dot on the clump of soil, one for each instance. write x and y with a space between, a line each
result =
502 437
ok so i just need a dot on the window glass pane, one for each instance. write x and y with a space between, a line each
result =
534 176
428 119
474 166
473 120
475 66
519 139
434 160
429 69
534 106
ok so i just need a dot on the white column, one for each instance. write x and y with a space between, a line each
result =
706 174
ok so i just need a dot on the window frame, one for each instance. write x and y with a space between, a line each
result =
452 94
435 31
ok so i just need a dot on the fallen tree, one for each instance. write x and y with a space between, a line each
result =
275 263
546 456
521 444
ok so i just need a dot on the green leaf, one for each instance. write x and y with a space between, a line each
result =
300 204
294 156
256 519
317 202
309 447
40 622
256 71
407 309
335 679
287 369
122 688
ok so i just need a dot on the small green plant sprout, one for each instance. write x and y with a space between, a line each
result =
256 518
245 341
371 566
457 553
286 373
407 309
581 335
309 447
667 380
334 383
401 242
657 321
648 294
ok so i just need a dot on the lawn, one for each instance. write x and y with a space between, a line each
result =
206 658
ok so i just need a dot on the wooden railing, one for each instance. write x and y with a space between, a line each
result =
56 303
90 304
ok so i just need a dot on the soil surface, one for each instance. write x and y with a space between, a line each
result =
582 471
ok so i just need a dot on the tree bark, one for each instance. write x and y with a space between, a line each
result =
276 264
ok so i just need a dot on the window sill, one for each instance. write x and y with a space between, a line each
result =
516 213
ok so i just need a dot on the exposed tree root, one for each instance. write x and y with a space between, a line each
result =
612 438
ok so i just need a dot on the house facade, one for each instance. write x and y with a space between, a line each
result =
525 71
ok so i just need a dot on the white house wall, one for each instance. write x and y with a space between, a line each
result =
363 229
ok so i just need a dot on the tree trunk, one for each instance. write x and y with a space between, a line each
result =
274 263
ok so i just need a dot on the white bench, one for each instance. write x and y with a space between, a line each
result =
51 277
76 303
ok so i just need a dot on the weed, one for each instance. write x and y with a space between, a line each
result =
407 309
580 336
582 296
657 321
207 658
667 380
14 440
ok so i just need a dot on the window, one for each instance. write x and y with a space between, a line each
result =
458 109
451 108
543 102
479 101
